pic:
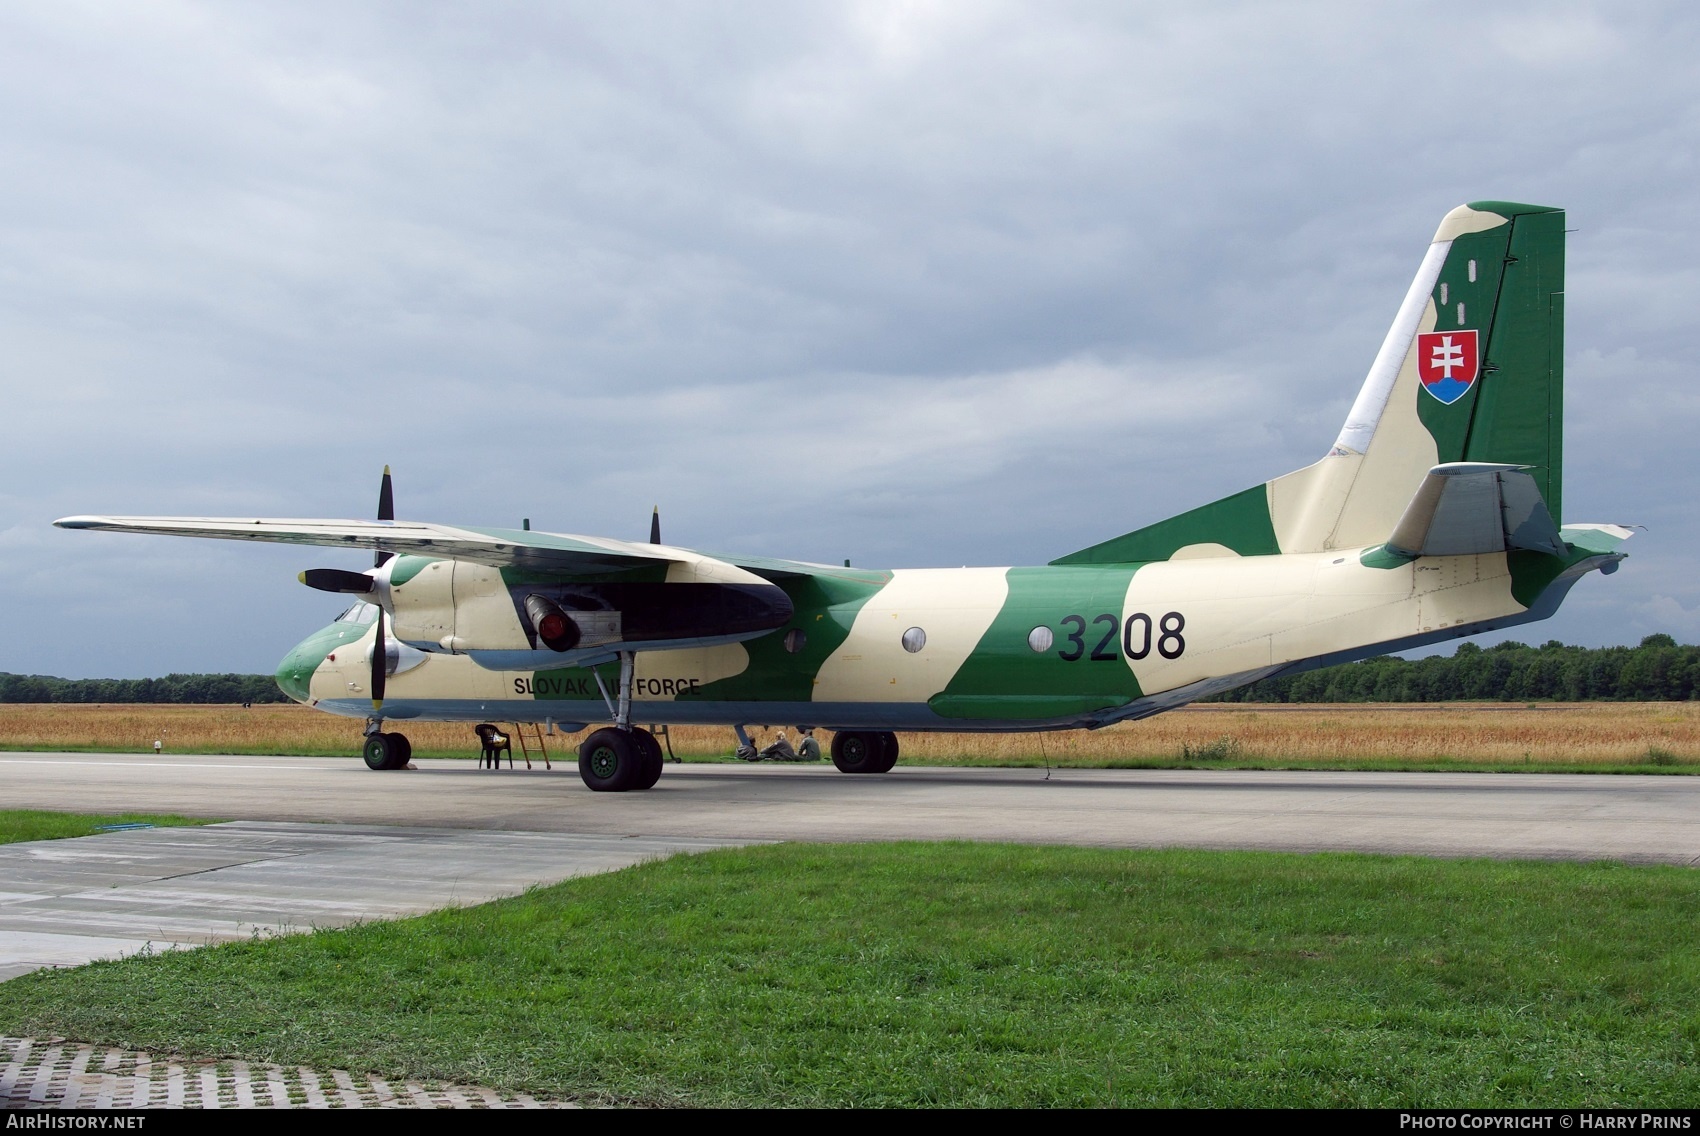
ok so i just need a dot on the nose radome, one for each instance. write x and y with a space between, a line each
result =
295 672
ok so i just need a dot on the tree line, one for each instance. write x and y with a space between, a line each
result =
203 688
1657 670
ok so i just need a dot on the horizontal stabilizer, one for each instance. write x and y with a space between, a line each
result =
1464 508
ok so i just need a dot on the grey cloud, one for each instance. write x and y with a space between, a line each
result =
910 283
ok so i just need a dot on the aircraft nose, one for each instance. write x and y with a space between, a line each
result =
295 672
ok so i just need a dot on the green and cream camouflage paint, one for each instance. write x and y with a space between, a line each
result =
1359 554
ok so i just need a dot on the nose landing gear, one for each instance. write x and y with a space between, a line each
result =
386 751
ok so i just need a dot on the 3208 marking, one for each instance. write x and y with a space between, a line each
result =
1163 633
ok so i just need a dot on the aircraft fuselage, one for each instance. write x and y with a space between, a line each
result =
993 649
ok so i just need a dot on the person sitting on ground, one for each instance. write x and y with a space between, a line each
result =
808 749
780 750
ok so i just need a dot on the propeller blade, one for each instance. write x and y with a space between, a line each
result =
386 512
336 580
655 526
380 665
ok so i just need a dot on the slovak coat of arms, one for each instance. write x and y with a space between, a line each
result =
1448 363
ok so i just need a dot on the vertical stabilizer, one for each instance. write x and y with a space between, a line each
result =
1472 369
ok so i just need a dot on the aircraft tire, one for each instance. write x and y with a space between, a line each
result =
403 751
380 751
856 752
653 761
611 761
888 752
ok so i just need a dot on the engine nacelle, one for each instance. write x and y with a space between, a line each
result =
505 619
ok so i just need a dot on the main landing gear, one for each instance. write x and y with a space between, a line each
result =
613 760
622 757
857 751
386 751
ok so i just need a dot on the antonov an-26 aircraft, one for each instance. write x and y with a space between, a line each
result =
1432 516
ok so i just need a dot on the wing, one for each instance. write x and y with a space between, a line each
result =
559 553
499 548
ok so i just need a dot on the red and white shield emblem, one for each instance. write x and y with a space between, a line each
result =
1447 362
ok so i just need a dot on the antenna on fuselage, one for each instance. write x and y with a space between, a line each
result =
655 526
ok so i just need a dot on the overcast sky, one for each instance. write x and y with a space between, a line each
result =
910 283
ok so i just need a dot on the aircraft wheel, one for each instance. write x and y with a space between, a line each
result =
653 761
380 751
888 754
856 752
404 751
612 761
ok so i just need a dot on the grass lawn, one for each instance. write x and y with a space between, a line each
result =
963 974
39 824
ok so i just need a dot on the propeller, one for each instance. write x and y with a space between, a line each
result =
380 666
655 526
365 584
380 655
386 512
337 580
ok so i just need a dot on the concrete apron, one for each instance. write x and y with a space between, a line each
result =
67 902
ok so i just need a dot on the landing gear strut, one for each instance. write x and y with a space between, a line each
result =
621 757
385 751
857 751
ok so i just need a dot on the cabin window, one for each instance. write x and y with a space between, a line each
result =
914 639
796 640
1040 639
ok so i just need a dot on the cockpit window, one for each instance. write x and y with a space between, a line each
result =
359 613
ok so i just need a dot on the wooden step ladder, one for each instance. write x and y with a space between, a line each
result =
535 739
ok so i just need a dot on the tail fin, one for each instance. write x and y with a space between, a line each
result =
1471 370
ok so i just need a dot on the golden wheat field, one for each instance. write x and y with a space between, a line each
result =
1579 735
